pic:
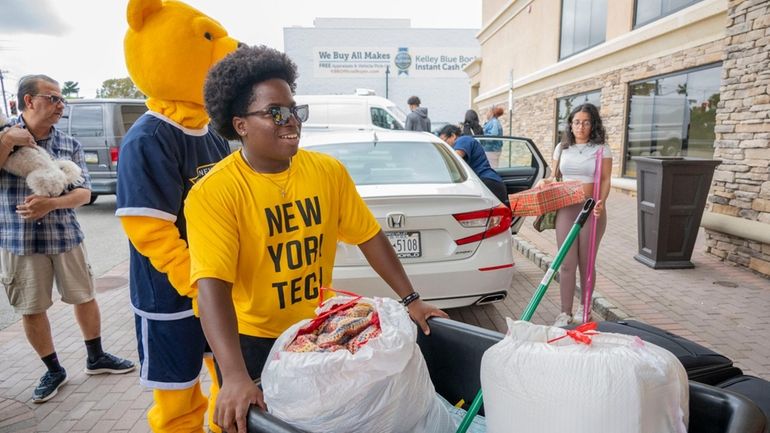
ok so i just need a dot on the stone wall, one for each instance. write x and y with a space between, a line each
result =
741 186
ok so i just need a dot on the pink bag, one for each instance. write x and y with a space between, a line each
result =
547 198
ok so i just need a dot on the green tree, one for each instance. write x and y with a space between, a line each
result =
119 88
70 88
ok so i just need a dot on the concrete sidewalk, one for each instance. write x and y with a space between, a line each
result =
720 306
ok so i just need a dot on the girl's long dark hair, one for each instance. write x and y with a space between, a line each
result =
471 125
598 134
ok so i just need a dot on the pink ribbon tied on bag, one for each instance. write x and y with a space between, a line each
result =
581 334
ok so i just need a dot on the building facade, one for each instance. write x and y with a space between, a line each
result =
340 55
671 78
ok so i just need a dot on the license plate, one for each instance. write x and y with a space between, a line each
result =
406 244
92 158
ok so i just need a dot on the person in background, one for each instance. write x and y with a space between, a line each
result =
3 121
493 127
417 119
583 136
248 215
471 125
41 240
471 151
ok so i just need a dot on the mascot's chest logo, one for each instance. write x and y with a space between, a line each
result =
201 171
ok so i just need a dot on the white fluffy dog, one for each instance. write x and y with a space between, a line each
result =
45 176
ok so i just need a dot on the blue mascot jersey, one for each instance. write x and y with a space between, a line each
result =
159 162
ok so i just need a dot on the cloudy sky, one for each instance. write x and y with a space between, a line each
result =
82 40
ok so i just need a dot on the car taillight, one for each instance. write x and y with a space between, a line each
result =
114 154
492 222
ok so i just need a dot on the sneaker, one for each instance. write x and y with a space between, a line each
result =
579 316
49 385
109 363
563 319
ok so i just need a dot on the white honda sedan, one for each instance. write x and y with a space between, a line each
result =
452 235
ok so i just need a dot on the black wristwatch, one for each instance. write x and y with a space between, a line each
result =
408 299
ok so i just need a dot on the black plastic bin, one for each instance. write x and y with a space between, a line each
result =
453 354
754 388
715 410
671 194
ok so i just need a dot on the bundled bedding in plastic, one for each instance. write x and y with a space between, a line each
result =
545 379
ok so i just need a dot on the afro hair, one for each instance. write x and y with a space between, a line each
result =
229 85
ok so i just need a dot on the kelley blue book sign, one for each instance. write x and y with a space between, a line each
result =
365 62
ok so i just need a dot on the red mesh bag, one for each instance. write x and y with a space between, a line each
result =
547 198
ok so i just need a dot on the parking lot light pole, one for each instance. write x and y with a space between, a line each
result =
387 73
510 106
2 90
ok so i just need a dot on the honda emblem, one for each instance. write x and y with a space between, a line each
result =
396 220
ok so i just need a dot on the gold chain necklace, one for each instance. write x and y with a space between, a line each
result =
281 188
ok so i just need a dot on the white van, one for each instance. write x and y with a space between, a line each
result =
362 110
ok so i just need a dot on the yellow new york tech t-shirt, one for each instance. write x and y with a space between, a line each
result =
276 251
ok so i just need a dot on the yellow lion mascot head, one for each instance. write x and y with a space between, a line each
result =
169 48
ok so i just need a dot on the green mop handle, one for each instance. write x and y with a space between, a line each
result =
472 411
541 289
588 206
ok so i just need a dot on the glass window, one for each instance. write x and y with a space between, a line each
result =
702 100
565 105
672 116
396 162
583 25
130 114
383 119
398 113
86 121
651 10
513 152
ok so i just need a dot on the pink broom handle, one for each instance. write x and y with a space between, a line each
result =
589 289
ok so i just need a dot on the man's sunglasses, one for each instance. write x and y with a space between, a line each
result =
53 98
281 115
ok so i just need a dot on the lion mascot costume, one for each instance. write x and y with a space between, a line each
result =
169 48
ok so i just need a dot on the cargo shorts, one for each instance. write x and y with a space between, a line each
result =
28 280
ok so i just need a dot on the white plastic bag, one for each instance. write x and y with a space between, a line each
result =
618 383
385 387
478 424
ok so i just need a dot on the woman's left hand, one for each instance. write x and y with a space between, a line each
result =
599 208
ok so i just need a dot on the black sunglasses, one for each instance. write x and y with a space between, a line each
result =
281 115
53 98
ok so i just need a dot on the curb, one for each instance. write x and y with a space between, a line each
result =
599 304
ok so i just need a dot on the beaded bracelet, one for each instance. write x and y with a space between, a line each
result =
408 299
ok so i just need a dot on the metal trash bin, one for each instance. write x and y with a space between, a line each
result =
671 194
